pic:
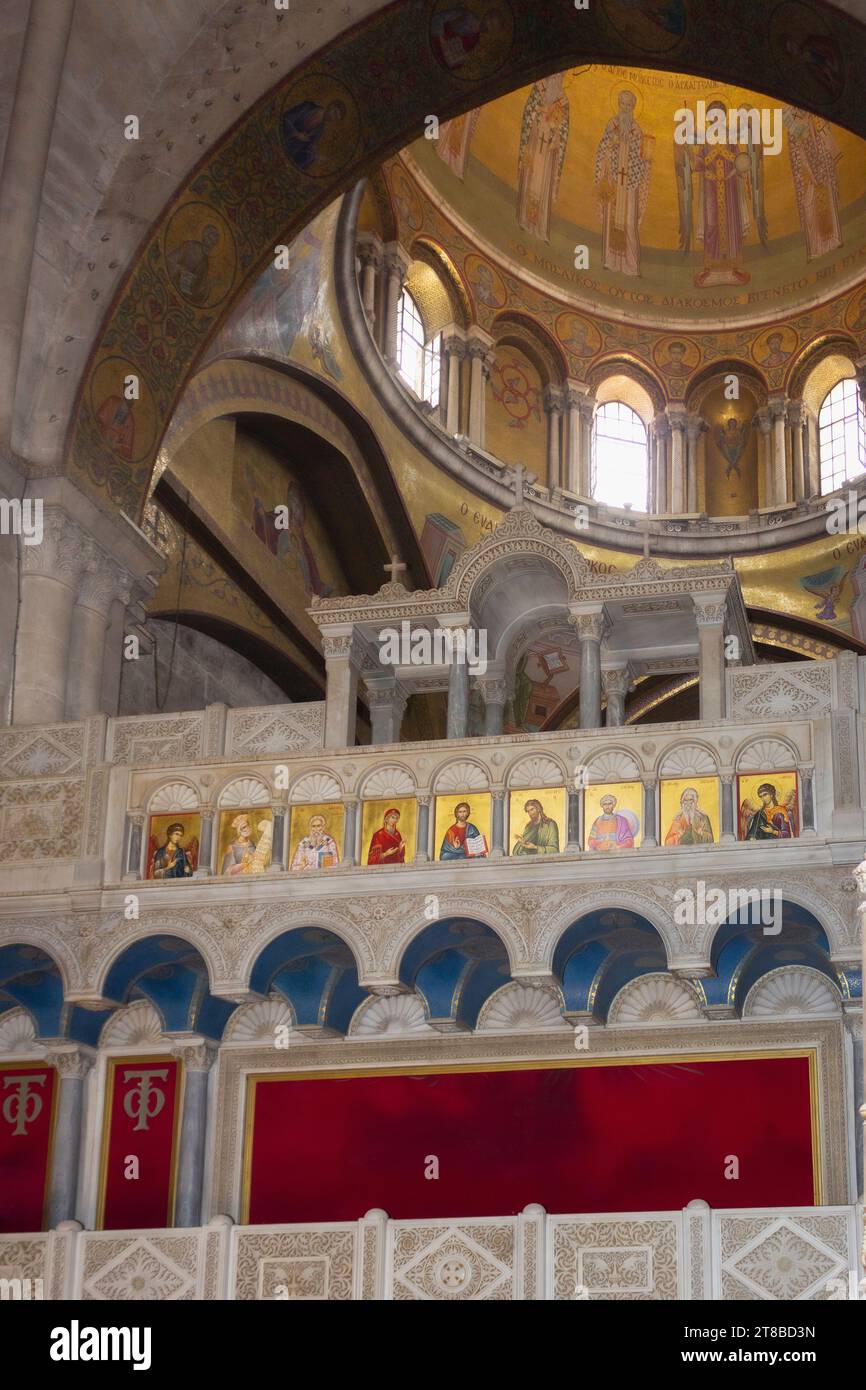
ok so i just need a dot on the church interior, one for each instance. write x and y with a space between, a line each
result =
377 379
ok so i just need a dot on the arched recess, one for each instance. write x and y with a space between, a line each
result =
525 405
454 966
314 972
454 289
256 210
173 976
614 377
31 981
732 461
601 952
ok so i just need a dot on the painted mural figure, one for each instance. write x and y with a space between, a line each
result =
171 860
117 425
612 830
239 856
455 137
730 202
463 840
317 849
455 34
291 540
731 441
540 836
770 820
623 163
543 142
189 265
303 126
691 825
814 157
387 845
776 355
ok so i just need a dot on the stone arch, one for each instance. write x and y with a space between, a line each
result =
473 910
538 344
706 378
810 357
461 775
197 939
617 364
297 919
427 249
692 758
49 940
387 779
608 900
518 534
283 206
770 753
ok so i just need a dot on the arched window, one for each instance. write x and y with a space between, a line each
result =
620 463
419 362
841 436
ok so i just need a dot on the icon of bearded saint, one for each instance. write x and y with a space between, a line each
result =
691 825
730 439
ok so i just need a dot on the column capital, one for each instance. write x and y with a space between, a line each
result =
796 413
554 400
763 420
73 1060
369 249
396 261
479 342
592 623
695 426
677 417
661 425
777 405
493 688
454 340
101 582
709 609
616 680
342 644
197 1054
63 550
649 780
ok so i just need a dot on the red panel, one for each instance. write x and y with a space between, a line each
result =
141 1117
576 1139
26 1109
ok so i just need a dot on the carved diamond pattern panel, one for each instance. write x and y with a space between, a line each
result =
48 753
632 1257
274 729
447 1263
154 741
782 1257
41 820
132 1268
801 691
313 1259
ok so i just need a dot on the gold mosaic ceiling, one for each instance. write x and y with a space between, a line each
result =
554 165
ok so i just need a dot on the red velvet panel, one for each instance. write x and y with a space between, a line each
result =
646 1137
26 1106
142 1126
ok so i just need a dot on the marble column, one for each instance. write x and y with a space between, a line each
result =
728 835
661 428
650 834
573 841
497 829
553 407
479 346
134 832
777 407
807 799
453 351
278 837
422 833
860 1099
396 263
369 249
458 698
694 429
207 848
764 425
571 466
852 1018
796 420
386 701
197 1057
587 415
616 683
50 573
710 615
590 630
72 1063
342 665
677 419
100 584
495 700
30 124
350 838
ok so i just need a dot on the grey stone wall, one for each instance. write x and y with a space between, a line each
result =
204 672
